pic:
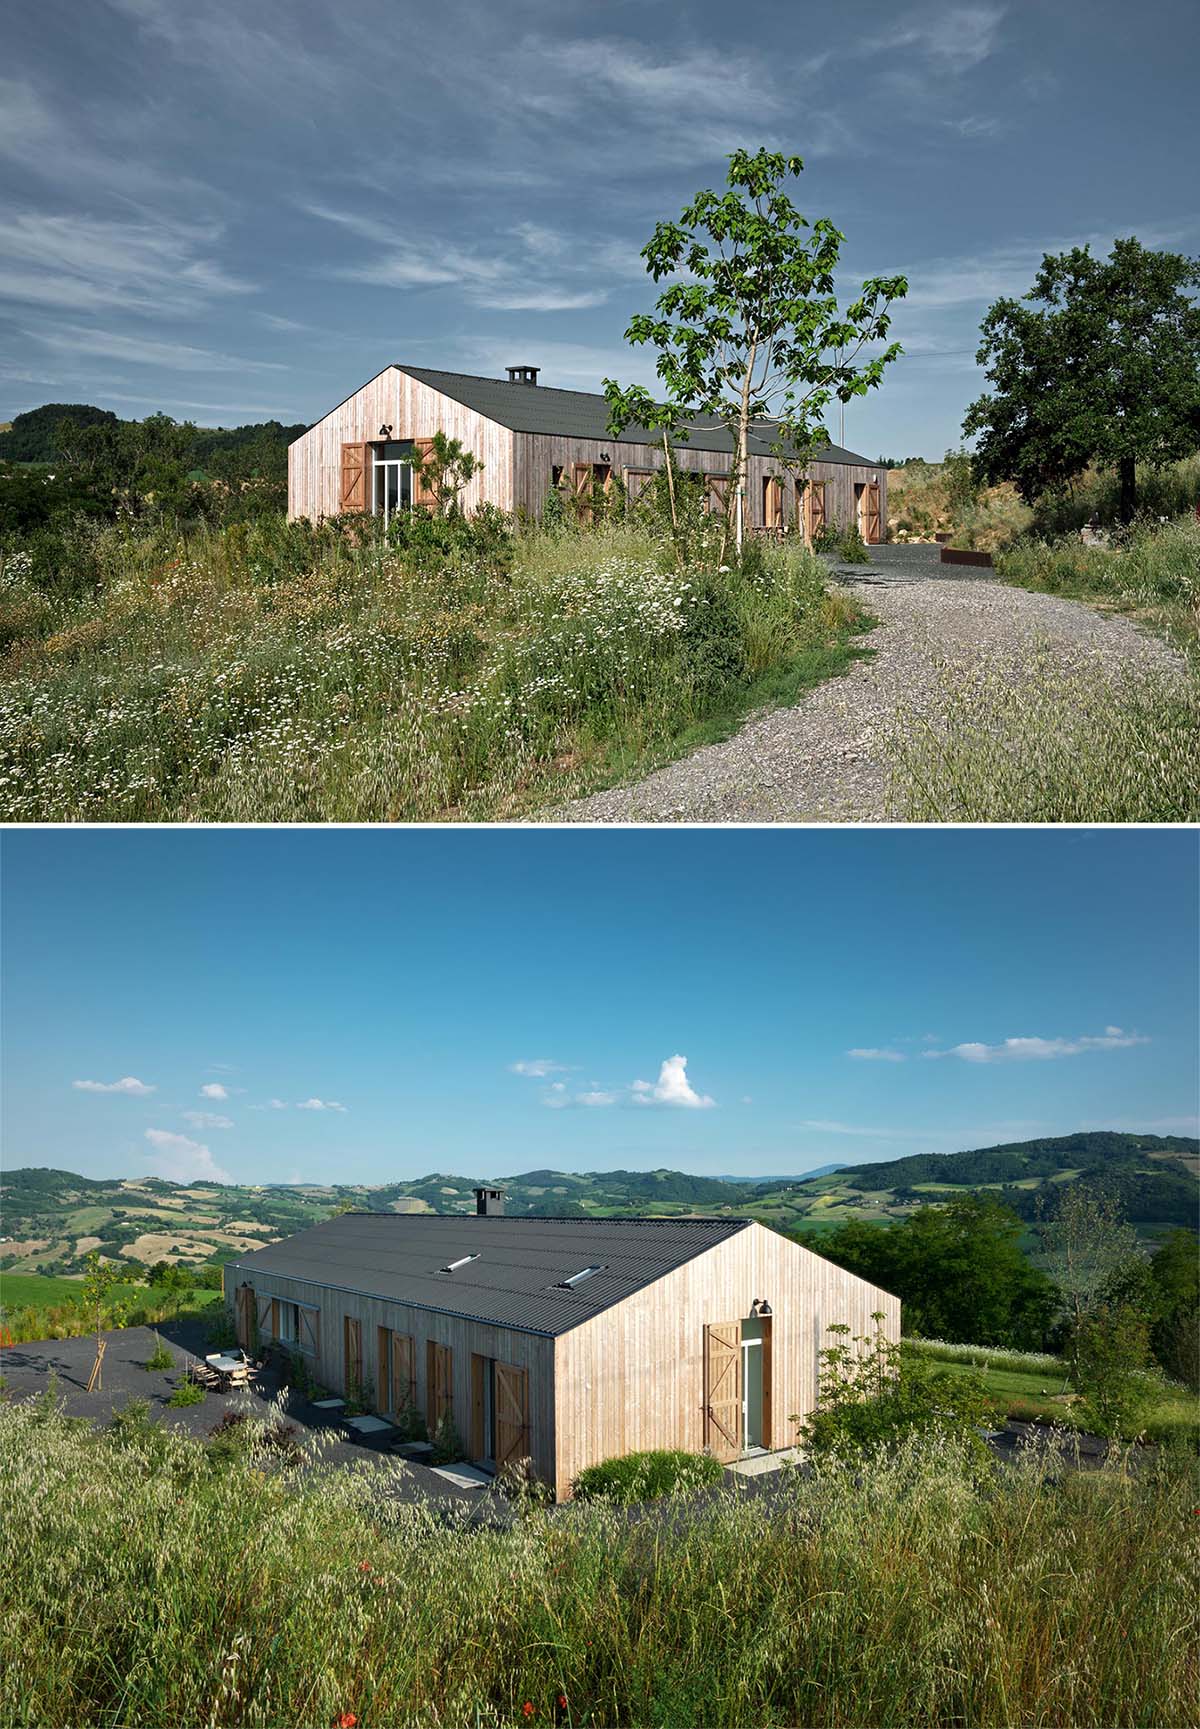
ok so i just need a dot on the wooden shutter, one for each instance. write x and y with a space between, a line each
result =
423 498
352 1358
581 489
772 503
767 1383
274 1317
512 1415
816 508
310 1337
636 482
872 514
478 1438
723 1389
245 1316
716 493
356 471
404 1375
262 1315
438 1368
383 1369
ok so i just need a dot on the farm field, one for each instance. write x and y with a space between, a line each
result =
1154 1175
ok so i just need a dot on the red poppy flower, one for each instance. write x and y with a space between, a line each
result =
347 1720
364 1566
561 1701
527 1709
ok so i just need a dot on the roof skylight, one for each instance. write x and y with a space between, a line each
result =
453 1266
577 1278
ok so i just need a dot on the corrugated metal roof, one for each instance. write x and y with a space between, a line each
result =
514 1281
584 414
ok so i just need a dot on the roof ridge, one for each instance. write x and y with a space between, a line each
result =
543 1218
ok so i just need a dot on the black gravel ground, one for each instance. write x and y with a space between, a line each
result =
27 1370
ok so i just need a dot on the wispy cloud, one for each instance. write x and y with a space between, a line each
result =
128 1084
537 1067
1024 1050
956 38
214 1090
76 339
672 1088
182 1160
207 1120
875 1054
320 1105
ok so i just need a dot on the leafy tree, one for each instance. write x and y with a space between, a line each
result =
447 468
1099 364
98 1281
1112 1351
750 328
958 1269
1088 1250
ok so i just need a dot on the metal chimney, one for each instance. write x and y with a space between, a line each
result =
523 374
489 1203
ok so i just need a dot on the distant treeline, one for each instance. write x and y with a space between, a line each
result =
35 435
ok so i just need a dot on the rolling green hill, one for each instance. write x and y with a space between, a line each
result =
52 1219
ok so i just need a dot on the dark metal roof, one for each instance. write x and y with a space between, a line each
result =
513 1283
584 414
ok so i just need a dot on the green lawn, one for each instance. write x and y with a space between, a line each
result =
31 1291
1028 1395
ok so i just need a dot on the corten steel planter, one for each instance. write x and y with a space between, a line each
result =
958 555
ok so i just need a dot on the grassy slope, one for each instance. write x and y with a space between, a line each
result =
1039 1395
911 1594
273 672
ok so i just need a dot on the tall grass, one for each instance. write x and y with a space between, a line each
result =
1154 571
274 671
123 1307
146 1581
1051 747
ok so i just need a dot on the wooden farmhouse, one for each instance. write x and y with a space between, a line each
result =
559 1341
365 455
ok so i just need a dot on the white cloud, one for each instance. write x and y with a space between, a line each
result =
276 1105
537 1067
955 37
1020 1050
214 1090
874 1054
671 1088
183 1160
320 1105
207 1120
127 1084
75 339
595 1099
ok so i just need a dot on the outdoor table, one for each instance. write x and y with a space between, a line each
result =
227 1368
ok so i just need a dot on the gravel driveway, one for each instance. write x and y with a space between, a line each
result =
827 759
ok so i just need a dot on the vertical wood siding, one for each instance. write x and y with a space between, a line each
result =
412 410
518 467
633 1377
524 1351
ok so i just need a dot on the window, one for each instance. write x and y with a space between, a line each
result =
453 1266
391 477
577 1278
295 1326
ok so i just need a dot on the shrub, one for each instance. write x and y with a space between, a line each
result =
870 1394
446 1441
160 1357
186 1393
1112 1349
648 1476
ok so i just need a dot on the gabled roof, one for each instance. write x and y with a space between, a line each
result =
584 414
516 1279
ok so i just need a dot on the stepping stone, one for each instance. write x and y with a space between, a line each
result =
413 1449
329 1405
367 1425
462 1476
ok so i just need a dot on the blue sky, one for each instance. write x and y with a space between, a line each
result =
367 1006
231 212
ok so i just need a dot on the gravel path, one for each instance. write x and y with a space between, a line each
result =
827 759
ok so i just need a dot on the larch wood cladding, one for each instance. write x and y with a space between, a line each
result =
518 467
531 1352
634 1376
412 410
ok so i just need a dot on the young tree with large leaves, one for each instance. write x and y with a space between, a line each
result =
1100 363
750 327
